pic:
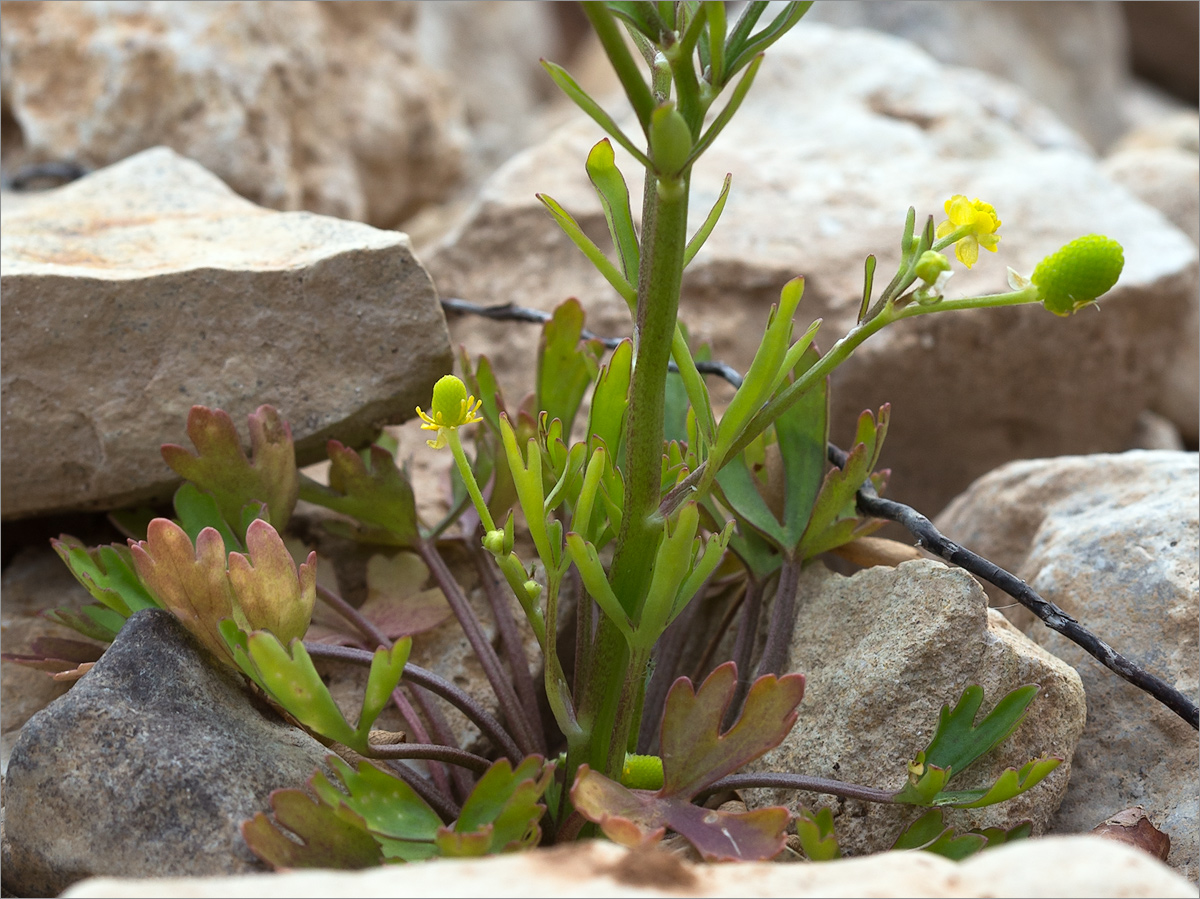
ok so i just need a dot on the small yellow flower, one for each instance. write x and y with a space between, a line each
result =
980 220
451 408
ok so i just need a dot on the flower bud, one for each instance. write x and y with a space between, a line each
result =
670 141
1077 274
533 589
930 265
493 542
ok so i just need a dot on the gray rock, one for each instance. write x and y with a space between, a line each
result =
145 288
1159 164
1071 56
146 768
326 107
841 133
1113 540
882 652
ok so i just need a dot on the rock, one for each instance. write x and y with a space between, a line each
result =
148 287
882 652
827 153
146 768
488 53
1075 66
35 580
1163 45
325 107
1159 164
1112 540
1060 866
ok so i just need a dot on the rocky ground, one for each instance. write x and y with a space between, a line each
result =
276 196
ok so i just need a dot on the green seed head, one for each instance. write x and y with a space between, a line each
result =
449 398
1076 275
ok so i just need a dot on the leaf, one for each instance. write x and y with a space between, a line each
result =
196 510
272 594
696 754
834 518
1132 826
714 214
587 246
504 806
610 401
1010 783
220 466
396 604
816 835
329 836
93 620
597 113
370 488
66 658
742 46
566 366
392 811
930 833
614 198
191 583
291 680
106 572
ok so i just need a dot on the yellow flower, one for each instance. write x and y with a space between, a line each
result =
451 408
976 224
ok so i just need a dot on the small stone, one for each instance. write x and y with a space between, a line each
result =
1114 541
148 287
882 652
146 768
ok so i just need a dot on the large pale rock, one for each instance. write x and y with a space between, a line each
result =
148 287
1160 165
147 767
842 131
1113 541
1062 866
882 652
1071 56
320 106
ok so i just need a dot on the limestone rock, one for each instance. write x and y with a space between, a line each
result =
319 106
882 652
145 288
841 133
1059 866
1071 56
147 767
1159 164
1112 540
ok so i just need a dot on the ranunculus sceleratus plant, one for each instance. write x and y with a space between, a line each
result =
659 494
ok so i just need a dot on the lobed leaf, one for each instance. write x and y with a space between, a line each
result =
220 466
370 488
566 365
107 573
326 836
816 835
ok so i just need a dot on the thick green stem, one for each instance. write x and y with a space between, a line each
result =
608 707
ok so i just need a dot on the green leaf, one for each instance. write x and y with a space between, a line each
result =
714 214
597 113
326 836
610 400
387 666
726 114
740 494
589 249
931 834
95 621
1009 784
368 487
391 810
106 572
816 835
293 682
220 466
614 197
566 365
742 45
623 63
196 510
505 806
958 742
641 15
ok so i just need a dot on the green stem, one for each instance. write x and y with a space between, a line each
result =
464 469
606 708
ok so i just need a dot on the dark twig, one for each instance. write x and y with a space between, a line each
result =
437 751
784 781
439 732
439 686
870 503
